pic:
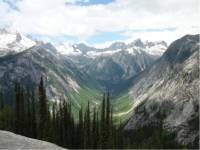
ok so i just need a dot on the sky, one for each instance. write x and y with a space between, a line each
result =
98 22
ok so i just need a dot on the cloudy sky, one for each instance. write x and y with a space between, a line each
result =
101 21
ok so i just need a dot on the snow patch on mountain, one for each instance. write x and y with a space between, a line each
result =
134 50
102 53
68 48
108 49
11 41
158 49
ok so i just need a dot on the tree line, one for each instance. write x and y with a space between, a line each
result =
36 117
33 115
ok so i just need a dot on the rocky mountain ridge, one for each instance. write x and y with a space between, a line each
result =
153 48
170 86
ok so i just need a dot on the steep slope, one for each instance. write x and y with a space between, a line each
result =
114 66
62 78
117 70
170 86
10 140
82 55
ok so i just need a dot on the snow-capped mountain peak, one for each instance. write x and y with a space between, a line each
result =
137 43
153 48
11 41
133 48
68 48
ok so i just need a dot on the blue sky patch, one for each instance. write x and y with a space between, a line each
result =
102 37
93 2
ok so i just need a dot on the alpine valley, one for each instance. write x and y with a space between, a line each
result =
78 72
146 80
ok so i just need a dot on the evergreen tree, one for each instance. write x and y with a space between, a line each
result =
61 123
53 124
57 128
33 117
43 112
95 130
6 119
87 127
107 123
1 101
80 130
103 124
22 111
28 118
19 109
108 109
66 121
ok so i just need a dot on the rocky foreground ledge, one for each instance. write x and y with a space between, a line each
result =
9 140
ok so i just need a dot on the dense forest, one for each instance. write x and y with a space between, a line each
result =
34 116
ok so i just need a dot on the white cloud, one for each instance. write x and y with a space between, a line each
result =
167 35
75 1
54 17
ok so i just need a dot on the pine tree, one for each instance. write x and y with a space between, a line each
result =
112 130
28 118
103 110
97 131
95 135
22 111
87 127
33 117
80 130
1 101
61 123
107 123
53 123
108 109
103 124
66 121
19 109
48 124
57 124
43 112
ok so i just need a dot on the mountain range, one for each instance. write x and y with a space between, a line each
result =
73 71
144 78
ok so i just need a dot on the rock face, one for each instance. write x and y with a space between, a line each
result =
116 70
170 86
128 59
9 140
115 65
60 75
